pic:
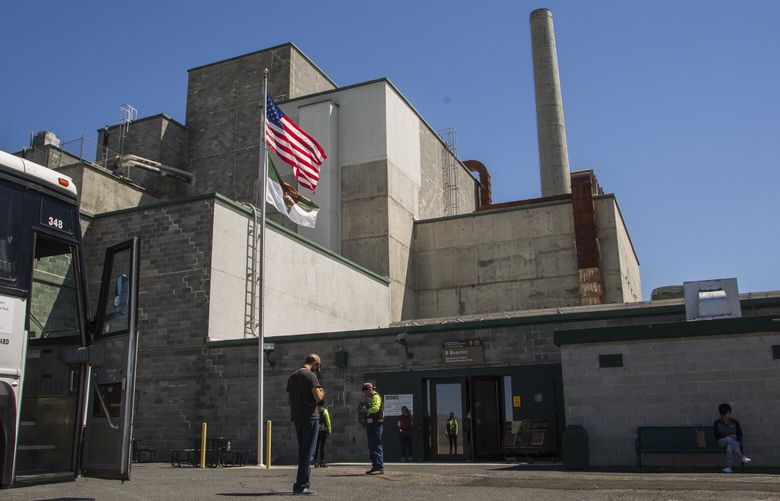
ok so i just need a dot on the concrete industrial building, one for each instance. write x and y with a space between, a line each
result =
410 260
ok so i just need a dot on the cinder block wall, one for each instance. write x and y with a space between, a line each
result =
224 111
184 380
674 382
377 351
158 138
177 385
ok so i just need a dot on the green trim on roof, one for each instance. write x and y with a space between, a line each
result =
453 325
157 205
723 327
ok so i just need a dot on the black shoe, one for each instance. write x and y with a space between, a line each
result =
375 471
323 465
305 492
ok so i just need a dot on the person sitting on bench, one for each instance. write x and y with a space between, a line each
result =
728 433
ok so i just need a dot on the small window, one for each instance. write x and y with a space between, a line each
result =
609 361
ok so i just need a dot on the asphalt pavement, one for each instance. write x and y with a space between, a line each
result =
419 481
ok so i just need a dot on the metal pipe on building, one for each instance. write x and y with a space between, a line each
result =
553 152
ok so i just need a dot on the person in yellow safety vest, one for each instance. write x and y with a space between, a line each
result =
451 431
375 416
322 437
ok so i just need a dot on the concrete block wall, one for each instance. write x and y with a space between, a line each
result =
373 352
224 112
174 375
158 138
674 382
495 261
526 343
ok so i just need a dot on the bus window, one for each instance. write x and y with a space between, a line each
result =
10 200
53 304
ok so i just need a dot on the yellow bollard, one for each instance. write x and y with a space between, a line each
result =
203 445
268 444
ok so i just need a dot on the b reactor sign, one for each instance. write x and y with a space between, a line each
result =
458 353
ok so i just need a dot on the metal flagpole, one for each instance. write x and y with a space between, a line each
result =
263 185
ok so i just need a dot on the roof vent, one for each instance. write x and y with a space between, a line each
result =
712 299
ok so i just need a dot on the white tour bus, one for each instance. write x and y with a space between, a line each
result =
66 380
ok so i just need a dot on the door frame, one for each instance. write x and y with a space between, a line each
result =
434 428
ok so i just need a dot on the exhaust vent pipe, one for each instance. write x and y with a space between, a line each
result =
553 153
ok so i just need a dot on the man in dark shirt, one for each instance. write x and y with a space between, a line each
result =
728 433
303 393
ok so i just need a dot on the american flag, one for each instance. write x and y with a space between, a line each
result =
294 146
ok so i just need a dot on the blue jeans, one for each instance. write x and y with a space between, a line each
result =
374 433
306 432
732 446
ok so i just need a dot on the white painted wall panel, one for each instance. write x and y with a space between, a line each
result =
308 290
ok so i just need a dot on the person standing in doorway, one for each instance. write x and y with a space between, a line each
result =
375 417
728 433
405 424
322 437
303 393
451 430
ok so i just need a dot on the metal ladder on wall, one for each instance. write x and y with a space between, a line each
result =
449 173
252 278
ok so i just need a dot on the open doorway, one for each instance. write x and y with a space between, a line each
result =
466 418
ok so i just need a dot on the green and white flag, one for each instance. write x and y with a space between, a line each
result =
289 202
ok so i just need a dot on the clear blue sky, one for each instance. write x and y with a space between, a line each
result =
674 104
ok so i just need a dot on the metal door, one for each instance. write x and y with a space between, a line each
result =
112 362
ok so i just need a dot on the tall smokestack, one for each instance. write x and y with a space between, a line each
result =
553 153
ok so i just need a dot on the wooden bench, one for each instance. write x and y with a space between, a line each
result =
678 446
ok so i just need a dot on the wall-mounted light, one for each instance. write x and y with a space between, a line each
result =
341 357
268 349
401 339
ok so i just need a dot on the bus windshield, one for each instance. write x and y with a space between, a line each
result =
9 205
54 308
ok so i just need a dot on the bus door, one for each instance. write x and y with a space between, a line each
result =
52 392
112 364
